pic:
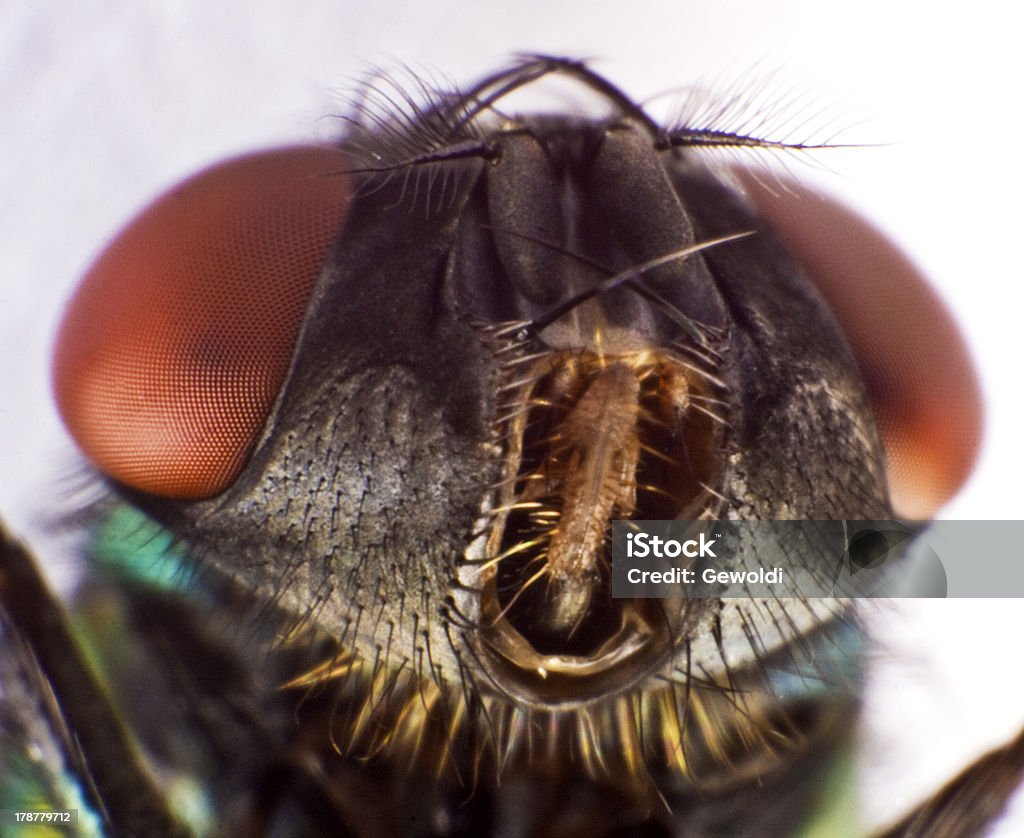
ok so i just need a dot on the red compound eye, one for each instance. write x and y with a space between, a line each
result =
173 349
916 367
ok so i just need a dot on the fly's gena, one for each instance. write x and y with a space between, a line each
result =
366 414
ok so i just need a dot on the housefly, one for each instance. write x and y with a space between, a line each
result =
364 415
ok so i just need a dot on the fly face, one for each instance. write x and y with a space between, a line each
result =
387 399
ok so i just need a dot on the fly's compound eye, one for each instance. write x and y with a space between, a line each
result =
176 344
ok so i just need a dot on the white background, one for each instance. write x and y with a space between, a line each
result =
105 103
